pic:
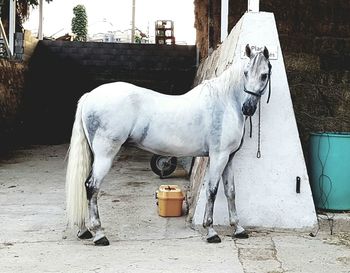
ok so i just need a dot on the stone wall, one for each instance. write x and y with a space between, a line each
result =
59 72
266 186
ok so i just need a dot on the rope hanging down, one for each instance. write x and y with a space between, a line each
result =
258 153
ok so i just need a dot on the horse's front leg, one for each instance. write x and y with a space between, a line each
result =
229 188
217 164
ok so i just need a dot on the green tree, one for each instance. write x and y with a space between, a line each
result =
79 23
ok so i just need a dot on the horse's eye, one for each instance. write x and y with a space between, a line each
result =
263 76
246 73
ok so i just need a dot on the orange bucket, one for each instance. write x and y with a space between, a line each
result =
170 199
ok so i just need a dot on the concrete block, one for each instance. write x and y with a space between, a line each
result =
265 187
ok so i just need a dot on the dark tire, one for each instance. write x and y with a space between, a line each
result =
163 165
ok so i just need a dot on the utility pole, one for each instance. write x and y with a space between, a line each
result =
12 25
133 22
40 29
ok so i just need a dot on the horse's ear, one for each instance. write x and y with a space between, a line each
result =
248 52
266 53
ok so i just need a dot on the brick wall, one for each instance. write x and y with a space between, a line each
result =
59 72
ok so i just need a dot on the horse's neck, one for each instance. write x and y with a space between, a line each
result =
227 87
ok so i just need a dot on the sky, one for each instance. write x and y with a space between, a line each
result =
116 15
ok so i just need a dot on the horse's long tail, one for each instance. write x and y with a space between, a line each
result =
78 169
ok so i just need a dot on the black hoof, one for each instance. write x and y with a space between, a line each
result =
214 239
102 242
85 235
242 235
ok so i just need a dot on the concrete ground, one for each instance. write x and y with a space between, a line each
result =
34 237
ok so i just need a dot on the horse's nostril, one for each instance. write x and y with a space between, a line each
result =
248 110
245 110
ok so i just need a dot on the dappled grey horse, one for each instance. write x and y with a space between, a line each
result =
207 121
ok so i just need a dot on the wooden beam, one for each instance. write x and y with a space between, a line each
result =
210 25
253 5
5 41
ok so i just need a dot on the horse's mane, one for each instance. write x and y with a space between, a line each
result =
227 86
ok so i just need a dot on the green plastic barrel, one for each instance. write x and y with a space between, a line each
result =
330 170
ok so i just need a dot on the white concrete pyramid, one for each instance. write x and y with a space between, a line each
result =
265 188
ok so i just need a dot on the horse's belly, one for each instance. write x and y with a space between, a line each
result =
170 150
173 144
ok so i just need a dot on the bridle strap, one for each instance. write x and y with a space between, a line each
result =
258 153
269 95
259 94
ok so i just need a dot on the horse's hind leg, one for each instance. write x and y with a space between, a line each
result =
104 153
216 166
229 188
84 233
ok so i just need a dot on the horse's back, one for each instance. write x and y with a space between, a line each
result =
156 122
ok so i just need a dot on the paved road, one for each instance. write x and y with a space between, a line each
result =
34 238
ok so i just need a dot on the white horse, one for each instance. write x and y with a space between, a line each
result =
207 121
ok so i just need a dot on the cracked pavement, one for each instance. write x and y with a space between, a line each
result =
34 237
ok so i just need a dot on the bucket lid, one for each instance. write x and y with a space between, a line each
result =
331 134
169 192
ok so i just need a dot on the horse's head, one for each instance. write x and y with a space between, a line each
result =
256 77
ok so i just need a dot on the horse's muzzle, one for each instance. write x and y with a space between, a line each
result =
248 109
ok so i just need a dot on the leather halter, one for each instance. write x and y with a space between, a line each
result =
260 93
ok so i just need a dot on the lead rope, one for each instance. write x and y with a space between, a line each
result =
250 127
258 153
